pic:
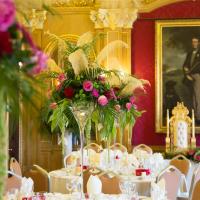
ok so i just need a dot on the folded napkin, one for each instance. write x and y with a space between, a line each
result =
158 191
94 185
26 187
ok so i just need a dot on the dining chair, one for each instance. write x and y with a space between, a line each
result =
70 158
195 178
143 147
196 191
97 148
172 177
181 163
13 182
118 146
110 183
40 178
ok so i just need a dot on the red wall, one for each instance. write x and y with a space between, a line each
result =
143 63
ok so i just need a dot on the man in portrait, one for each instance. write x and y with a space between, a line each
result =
191 69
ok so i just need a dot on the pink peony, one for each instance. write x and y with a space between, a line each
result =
102 100
128 106
87 86
117 107
191 152
110 94
95 93
102 78
132 99
61 77
41 62
53 105
7 14
197 157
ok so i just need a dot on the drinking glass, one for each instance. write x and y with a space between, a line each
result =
82 110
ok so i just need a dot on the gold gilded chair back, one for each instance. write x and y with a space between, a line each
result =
118 146
97 148
179 130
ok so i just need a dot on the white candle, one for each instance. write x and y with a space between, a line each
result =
193 124
167 123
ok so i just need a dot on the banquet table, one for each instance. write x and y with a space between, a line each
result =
58 182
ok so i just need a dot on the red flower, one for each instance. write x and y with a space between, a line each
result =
5 43
191 152
197 157
69 92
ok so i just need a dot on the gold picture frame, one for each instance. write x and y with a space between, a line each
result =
164 30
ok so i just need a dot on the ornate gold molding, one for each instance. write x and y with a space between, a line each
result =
34 19
150 5
73 3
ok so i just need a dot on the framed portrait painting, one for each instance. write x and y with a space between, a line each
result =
177 68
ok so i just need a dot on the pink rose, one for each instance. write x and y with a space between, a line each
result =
128 106
197 157
117 107
110 94
102 100
191 152
132 99
102 78
95 93
7 14
41 62
53 105
61 77
87 86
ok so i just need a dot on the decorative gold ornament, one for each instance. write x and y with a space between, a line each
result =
73 3
180 129
35 20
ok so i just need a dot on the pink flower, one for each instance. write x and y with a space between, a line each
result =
191 152
95 93
61 77
7 14
117 107
58 86
197 157
41 62
102 100
128 106
110 94
27 36
87 86
53 105
132 99
102 78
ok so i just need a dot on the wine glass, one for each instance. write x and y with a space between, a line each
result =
70 184
82 110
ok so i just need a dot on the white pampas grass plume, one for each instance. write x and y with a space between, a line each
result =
79 61
131 84
86 38
108 49
52 66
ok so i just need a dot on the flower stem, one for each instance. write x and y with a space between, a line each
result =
3 145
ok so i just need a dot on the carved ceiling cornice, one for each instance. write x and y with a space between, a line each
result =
150 5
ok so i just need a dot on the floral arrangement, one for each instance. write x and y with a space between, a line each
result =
191 154
20 61
113 92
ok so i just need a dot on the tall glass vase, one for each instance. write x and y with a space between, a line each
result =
82 111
